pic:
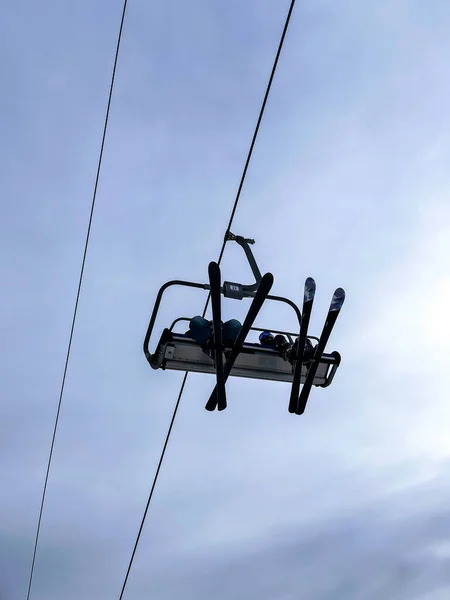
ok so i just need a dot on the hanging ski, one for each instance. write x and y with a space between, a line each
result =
308 299
258 300
333 313
214 282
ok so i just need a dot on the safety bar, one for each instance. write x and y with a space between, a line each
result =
201 286
289 334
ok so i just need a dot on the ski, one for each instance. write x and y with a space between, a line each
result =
308 299
214 282
257 302
333 313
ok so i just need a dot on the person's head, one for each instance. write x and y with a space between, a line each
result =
266 338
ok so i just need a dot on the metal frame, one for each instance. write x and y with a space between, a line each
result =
245 244
235 291
200 286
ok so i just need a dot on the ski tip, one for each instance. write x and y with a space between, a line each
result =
310 288
267 280
210 406
213 267
338 299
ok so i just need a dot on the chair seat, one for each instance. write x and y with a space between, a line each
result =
180 353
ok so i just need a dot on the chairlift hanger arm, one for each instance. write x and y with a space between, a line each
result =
245 244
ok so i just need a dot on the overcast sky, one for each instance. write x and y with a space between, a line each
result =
349 183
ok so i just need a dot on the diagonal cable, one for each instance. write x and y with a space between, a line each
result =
83 262
233 211
255 134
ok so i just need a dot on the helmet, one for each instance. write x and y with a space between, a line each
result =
266 338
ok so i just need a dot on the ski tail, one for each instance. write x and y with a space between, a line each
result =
214 281
258 300
333 313
308 299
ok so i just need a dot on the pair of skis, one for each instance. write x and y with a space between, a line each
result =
218 397
298 399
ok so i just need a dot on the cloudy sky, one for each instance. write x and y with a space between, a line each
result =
349 184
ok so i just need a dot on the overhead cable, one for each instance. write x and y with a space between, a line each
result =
233 212
77 299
